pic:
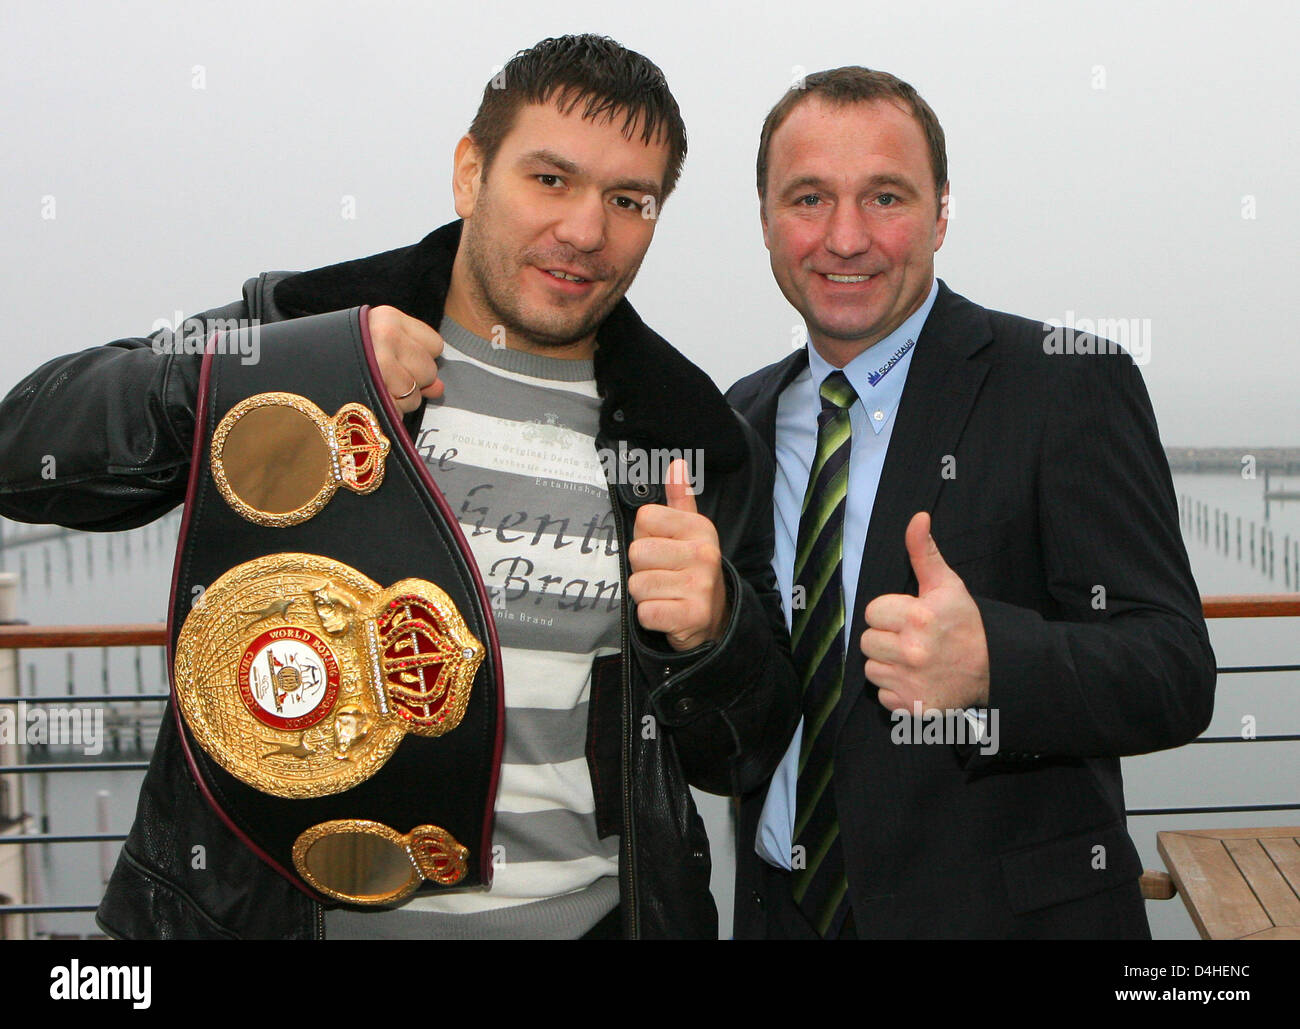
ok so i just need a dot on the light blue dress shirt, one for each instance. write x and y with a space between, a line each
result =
877 375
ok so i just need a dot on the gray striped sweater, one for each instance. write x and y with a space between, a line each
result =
512 446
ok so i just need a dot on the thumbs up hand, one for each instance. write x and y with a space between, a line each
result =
929 648
676 561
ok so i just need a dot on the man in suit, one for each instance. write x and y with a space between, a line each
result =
977 539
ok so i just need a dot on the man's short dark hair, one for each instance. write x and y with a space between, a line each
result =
607 79
856 85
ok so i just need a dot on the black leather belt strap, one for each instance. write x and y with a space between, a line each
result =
404 529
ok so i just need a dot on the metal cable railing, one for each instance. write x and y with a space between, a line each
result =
14 637
1286 605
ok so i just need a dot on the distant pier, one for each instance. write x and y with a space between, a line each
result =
1276 460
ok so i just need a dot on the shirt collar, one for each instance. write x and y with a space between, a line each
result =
878 373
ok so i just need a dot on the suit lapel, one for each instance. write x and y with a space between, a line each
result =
759 407
942 384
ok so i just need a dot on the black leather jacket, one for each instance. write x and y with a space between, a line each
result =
120 421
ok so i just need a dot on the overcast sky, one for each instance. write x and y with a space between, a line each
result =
1117 161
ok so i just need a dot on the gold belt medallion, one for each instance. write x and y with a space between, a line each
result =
365 862
299 675
277 459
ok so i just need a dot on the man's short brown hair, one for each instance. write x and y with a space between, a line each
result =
856 85
606 78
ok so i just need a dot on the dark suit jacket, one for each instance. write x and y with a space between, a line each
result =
1045 479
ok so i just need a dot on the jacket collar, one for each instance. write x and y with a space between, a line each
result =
650 393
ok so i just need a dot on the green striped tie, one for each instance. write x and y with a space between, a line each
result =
817 637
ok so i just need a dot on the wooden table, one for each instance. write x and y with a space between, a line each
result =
1238 884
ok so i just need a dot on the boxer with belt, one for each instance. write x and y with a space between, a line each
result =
446 612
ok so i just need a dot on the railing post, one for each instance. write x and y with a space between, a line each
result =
101 825
13 860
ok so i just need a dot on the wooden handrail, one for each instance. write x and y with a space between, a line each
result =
1236 605
144 634
1252 605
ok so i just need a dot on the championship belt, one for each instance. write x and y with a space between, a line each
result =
335 668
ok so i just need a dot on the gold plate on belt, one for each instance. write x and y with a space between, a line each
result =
299 675
365 862
277 459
